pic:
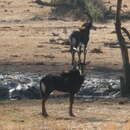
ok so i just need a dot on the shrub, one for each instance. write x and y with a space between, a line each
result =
79 9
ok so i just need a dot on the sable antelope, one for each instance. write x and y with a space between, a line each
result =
69 82
80 38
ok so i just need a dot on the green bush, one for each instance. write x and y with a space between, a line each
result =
80 8
95 8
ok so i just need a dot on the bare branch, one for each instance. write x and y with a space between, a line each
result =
126 32
118 23
121 39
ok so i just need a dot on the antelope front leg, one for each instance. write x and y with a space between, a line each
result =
44 113
73 55
71 105
73 58
85 52
79 54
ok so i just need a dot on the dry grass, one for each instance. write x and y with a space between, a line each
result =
25 39
99 115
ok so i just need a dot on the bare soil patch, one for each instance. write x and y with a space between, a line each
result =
29 40
90 114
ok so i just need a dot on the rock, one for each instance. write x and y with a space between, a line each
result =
100 87
26 86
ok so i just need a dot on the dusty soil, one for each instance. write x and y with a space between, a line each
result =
90 115
30 41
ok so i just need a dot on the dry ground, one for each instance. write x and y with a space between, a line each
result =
29 41
90 115
27 37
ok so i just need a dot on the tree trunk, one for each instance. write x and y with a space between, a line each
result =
125 80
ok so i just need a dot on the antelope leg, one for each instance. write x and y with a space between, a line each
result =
71 104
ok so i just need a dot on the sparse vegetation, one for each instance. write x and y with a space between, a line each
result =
26 115
79 9
32 42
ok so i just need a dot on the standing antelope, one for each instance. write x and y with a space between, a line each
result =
78 39
69 82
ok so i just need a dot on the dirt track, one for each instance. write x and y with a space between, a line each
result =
90 115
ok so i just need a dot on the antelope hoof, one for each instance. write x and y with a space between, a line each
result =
71 114
79 62
45 114
86 63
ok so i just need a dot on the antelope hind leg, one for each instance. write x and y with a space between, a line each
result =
71 105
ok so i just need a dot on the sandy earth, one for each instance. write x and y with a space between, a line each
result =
31 42
90 115
27 37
